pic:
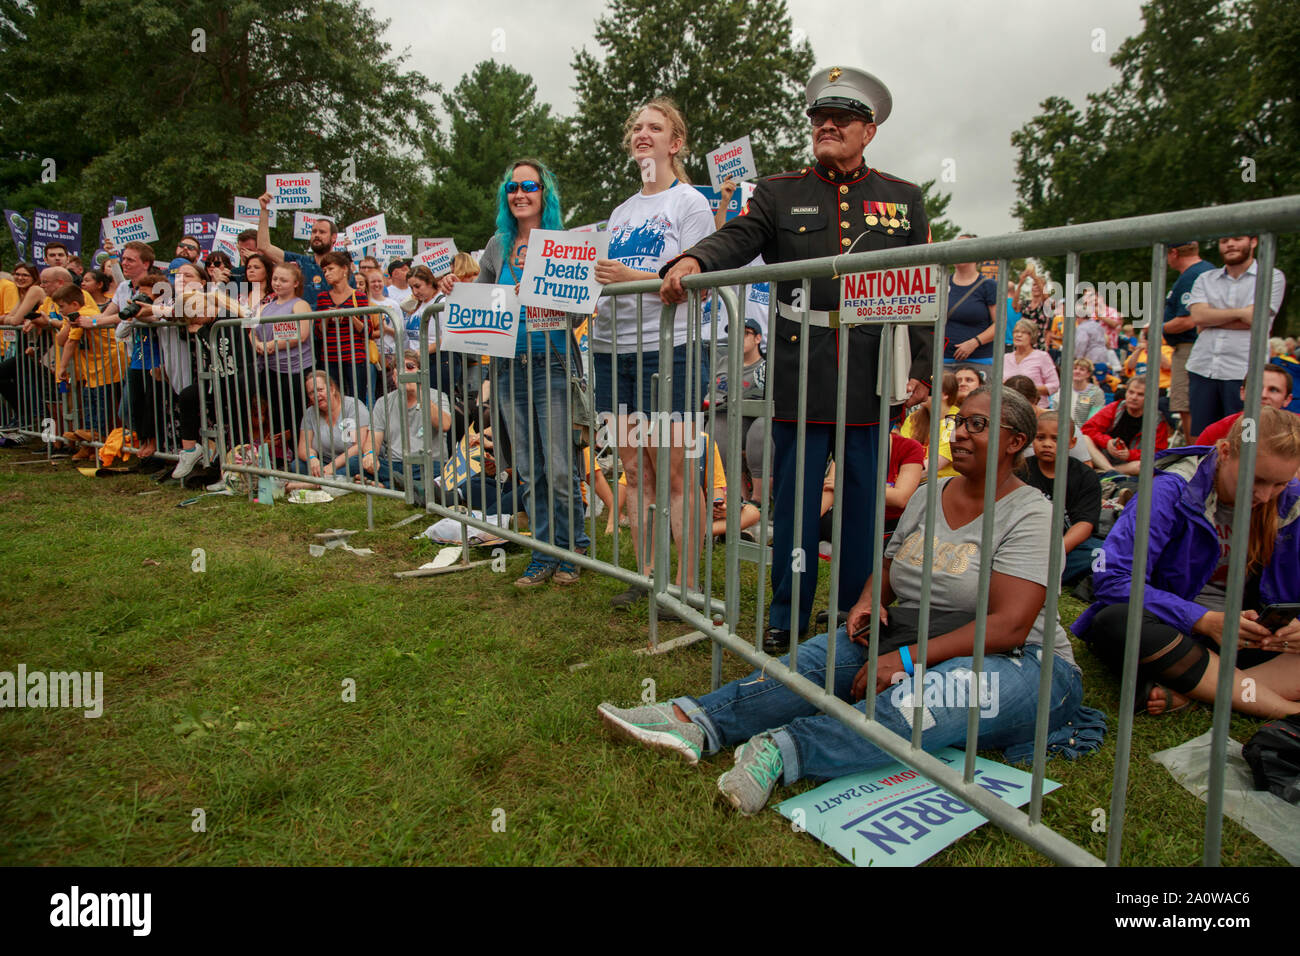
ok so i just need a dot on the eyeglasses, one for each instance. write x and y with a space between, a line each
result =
974 423
528 186
840 119
187 246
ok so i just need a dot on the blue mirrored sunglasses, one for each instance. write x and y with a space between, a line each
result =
528 186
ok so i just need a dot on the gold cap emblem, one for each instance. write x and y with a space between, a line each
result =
834 74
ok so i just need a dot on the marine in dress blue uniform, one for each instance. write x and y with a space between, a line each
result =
836 205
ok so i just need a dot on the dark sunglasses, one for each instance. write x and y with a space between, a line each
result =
528 186
840 119
974 423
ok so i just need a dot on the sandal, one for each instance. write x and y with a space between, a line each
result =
1140 706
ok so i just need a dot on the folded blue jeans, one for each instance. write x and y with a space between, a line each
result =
818 747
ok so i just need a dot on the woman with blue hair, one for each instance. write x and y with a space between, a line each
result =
532 389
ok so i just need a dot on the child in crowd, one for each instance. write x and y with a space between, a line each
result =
1082 496
916 427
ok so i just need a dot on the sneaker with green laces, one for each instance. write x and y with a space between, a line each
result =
657 727
750 783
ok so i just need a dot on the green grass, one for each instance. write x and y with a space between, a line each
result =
223 691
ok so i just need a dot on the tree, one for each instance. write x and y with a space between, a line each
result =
733 67
494 119
191 104
1206 112
936 206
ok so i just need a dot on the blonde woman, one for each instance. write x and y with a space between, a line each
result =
661 220
1182 616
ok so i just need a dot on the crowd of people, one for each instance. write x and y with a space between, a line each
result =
205 355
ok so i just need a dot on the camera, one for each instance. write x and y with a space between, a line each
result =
132 308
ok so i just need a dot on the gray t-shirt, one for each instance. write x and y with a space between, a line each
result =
406 441
1021 522
334 439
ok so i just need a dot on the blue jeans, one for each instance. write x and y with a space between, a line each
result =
1078 563
392 478
819 747
607 368
534 403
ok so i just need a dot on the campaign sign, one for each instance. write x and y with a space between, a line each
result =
481 319
426 244
18 232
131 225
368 231
560 270
50 226
249 210
714 196
294 190
302 223
395 247
340 242
437 257
201 226
115 208
911 292
226 238
893 816
734 160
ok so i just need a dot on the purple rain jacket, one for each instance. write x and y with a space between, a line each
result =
1185 546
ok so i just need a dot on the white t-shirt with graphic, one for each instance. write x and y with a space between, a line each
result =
645 233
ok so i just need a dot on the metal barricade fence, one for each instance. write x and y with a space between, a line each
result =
522 417
100 382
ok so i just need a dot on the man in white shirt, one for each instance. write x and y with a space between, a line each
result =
1221 305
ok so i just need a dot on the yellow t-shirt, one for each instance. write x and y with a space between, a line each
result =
100 356
911 430
8 302
1140 356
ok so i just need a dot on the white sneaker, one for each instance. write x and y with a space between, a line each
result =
219 484
186 462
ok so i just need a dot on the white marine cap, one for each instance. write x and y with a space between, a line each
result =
849 89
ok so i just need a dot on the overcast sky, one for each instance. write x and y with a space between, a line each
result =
964 73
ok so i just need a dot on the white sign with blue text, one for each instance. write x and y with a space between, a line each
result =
302 223
894 816
294 190
734 160
560 270
367 232
481 319
249 210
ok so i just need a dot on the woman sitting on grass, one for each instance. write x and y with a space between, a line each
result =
333 430
1187 572
786 738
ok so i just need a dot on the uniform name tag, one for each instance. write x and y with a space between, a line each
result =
805 210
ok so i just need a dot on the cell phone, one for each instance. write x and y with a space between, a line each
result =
1277 616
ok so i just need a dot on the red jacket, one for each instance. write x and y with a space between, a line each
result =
1217 430
1099 425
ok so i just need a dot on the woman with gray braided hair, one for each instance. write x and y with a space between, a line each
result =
784 738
